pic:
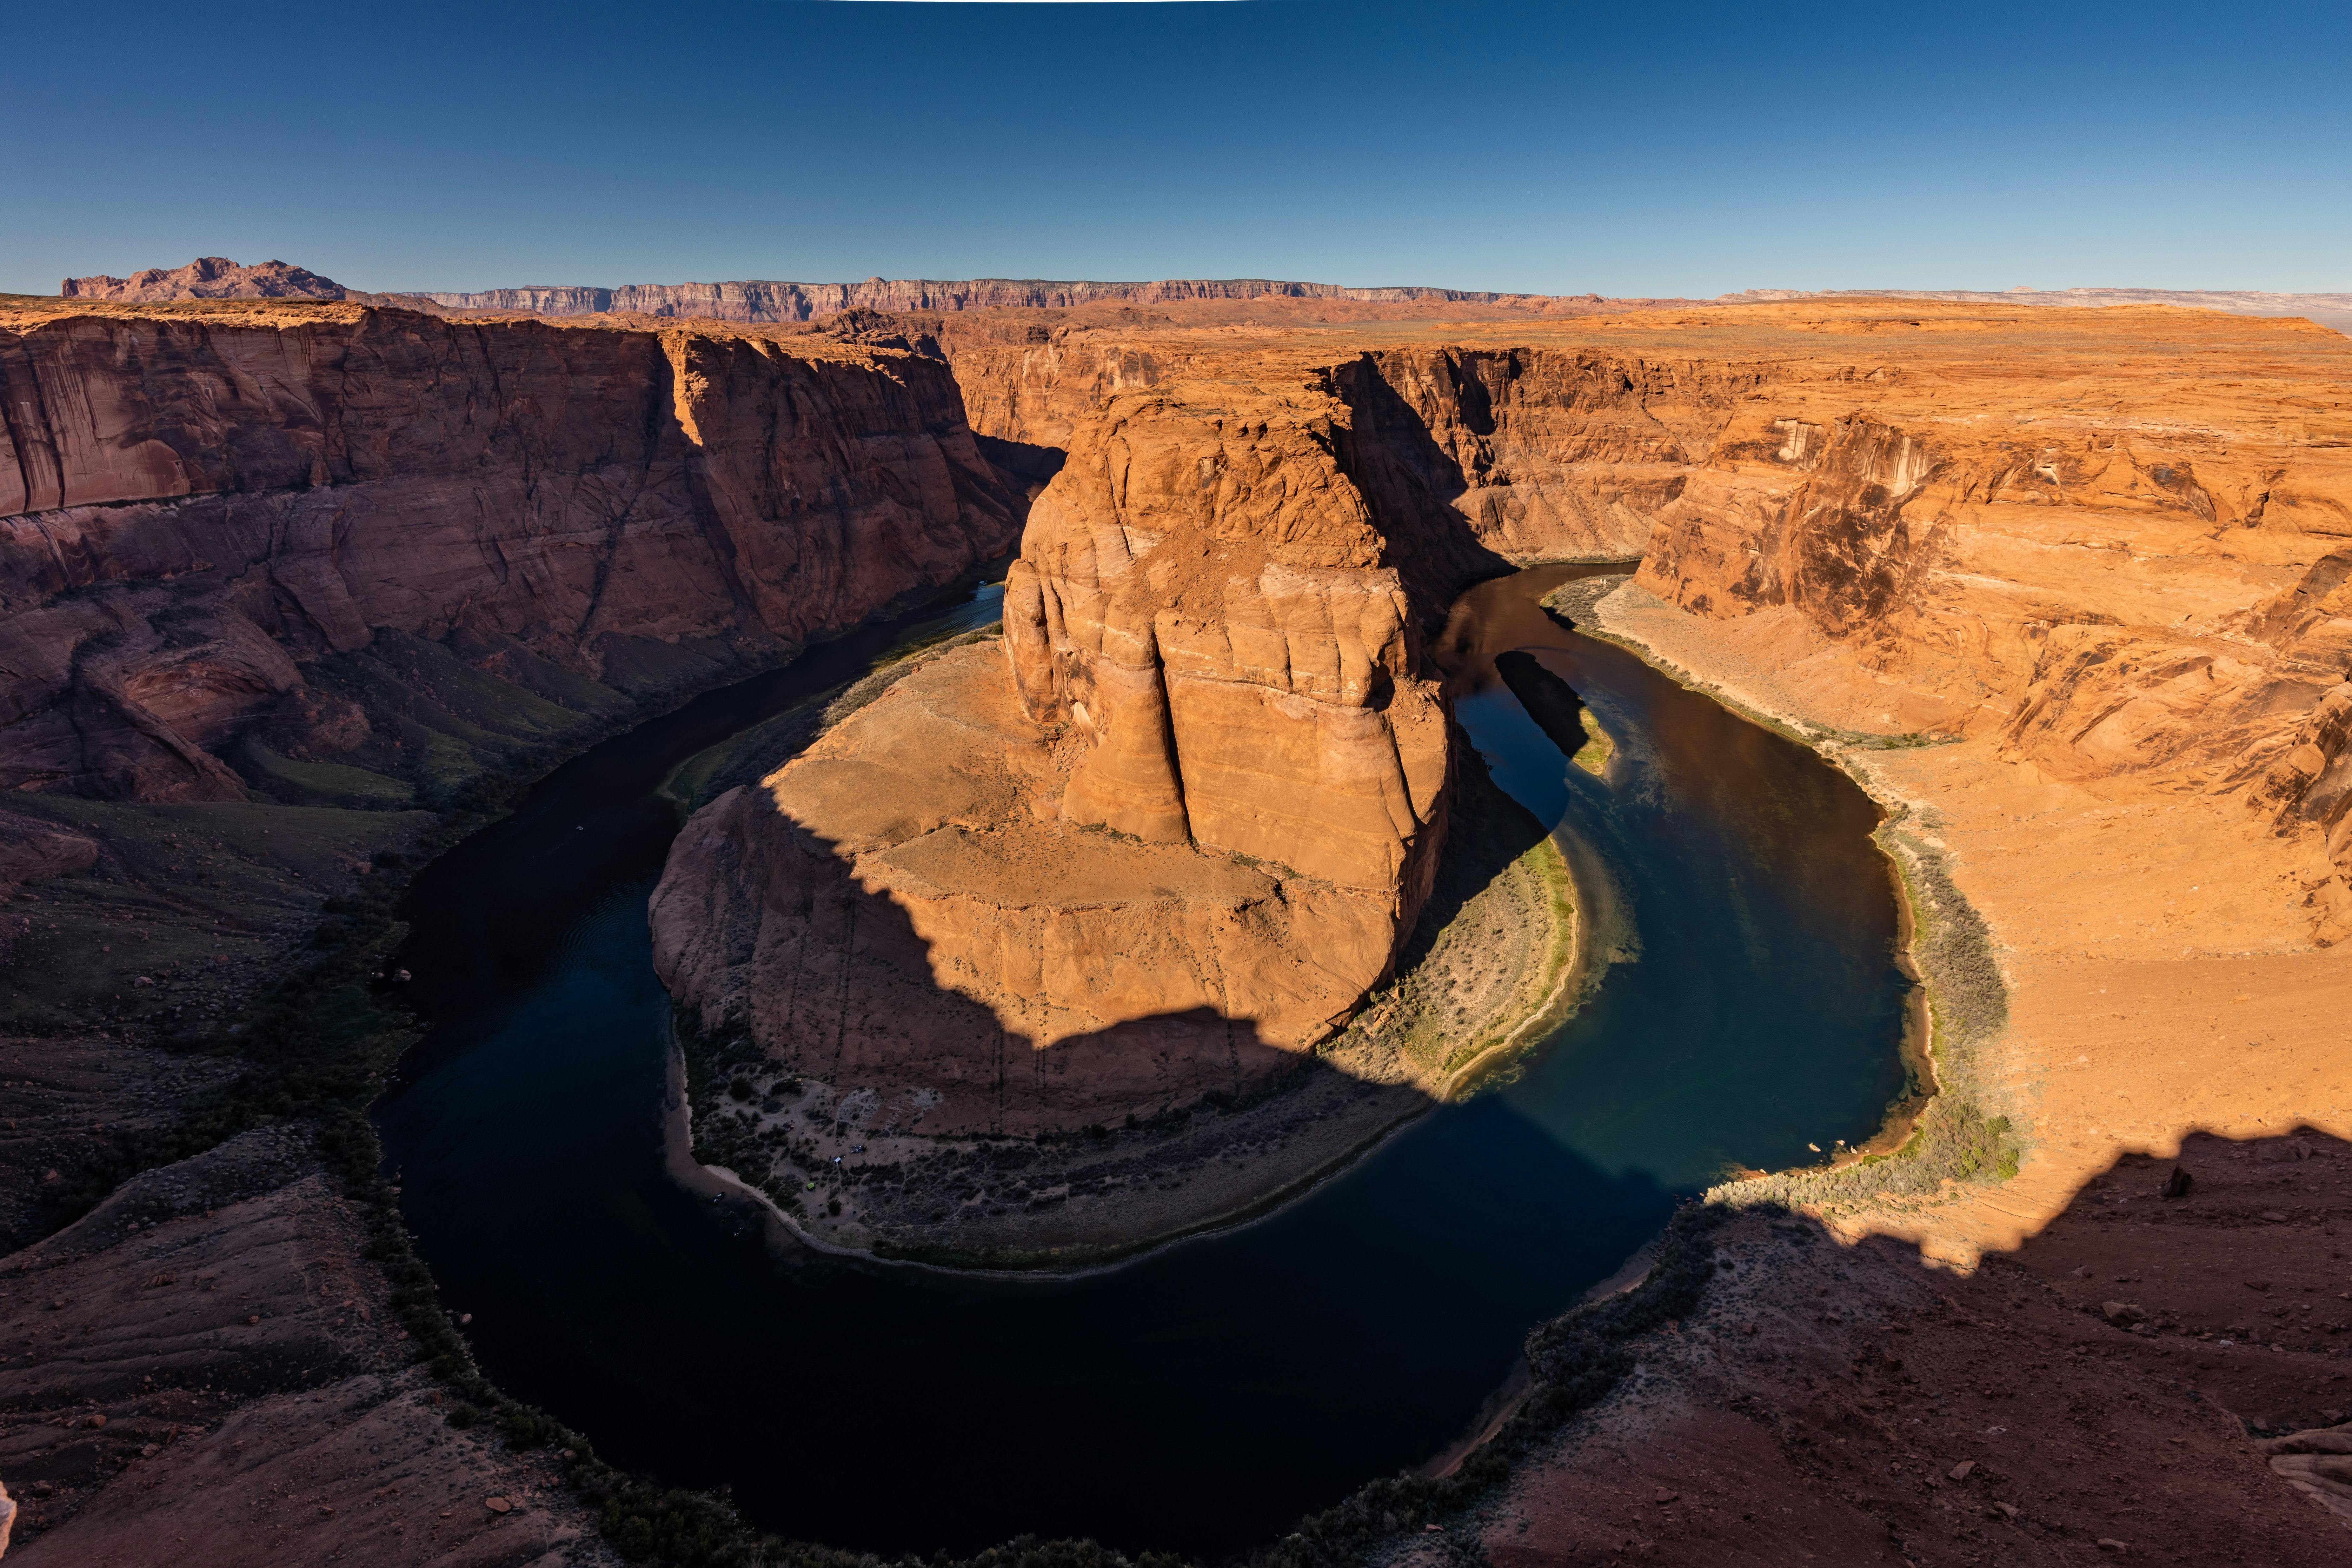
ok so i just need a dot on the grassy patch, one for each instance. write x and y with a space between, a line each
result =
1961 1135
297 782
1598 748
1492 942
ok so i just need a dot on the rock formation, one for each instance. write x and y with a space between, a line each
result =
1161 845
32 850
194 507
206 277
2105 593
1214 739
1822 1402
1938 523
218 278
762 301
2067 587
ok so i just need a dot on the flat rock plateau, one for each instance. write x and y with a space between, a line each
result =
288 586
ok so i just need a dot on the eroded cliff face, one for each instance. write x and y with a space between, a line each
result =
196 505
2143 581
1532 454
2110 544
1159 845
1209 599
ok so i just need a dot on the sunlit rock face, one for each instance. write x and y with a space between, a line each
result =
2020 525
1205 598
1153 847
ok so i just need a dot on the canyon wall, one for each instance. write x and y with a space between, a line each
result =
2112 592
762 301
1541 453
2113 546
194 507
1174 837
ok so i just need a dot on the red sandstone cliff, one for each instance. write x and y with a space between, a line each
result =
1174 836
1159 846
193 506
1214 620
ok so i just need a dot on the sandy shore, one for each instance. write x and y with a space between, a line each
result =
2158 949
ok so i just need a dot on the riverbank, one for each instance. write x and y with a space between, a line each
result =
2105 991
1494 964
1939 1132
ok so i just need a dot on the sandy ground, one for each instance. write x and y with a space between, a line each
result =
2158 947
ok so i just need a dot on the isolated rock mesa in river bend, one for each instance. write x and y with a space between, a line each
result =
1153 849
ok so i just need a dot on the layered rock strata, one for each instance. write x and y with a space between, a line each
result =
1154 850
196 507
218 278
2143 580
1541 452
765 301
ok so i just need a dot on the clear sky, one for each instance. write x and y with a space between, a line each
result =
1625 149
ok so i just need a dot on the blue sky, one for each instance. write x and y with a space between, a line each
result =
1674 149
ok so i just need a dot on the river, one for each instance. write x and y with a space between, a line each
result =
1203 1397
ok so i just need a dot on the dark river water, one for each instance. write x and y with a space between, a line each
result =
1203 1397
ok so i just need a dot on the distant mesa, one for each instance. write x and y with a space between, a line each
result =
2327 309
764 302
218 278
207 278
768 302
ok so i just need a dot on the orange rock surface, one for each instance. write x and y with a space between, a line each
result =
197 500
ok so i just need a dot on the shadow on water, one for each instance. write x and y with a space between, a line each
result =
1204 1396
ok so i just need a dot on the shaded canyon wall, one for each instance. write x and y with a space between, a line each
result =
194 507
